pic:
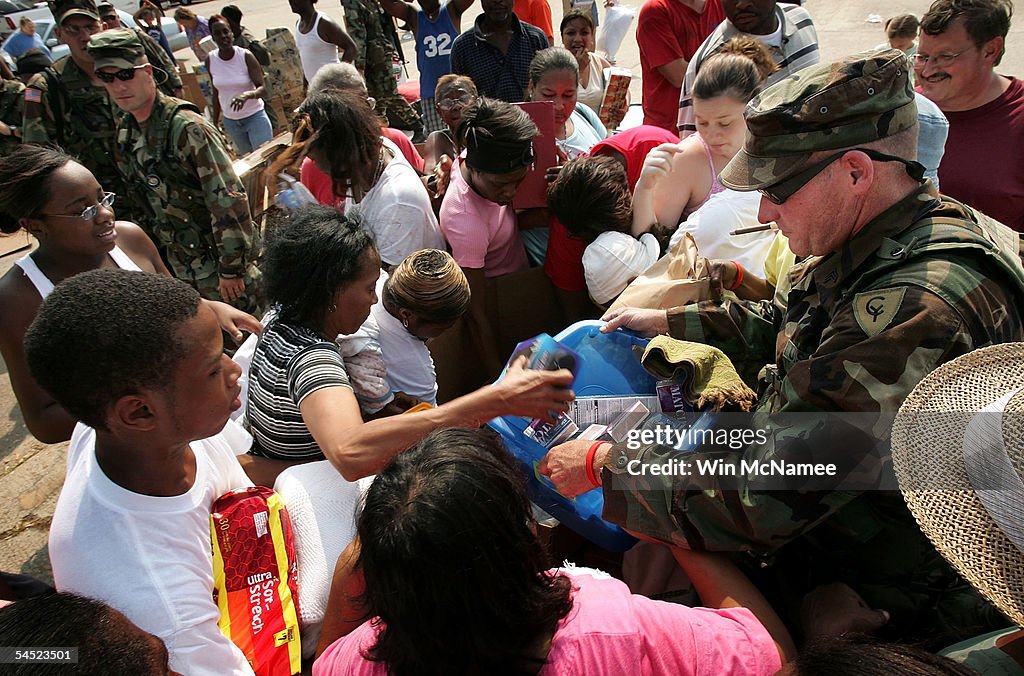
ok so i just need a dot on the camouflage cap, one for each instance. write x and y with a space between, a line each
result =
105 9
65 9
858 99
116 48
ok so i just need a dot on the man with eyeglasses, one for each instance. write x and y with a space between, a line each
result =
175 161
895 281
961 43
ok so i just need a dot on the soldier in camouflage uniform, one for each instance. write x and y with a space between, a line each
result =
897 281
175 161
11 97
65 105
365 24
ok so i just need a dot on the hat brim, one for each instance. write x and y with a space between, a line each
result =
746 172
927 454
77 11
118 62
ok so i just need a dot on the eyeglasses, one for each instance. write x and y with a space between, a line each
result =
461 102
939 60
74 31
783 190
123 75
89 213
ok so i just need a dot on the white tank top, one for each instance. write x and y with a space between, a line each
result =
314 52
231 78
43 284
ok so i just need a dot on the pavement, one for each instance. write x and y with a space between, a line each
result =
31 473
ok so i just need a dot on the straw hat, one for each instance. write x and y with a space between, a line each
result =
958 451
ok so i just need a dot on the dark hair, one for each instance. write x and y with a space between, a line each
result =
348 131
452 567
496 120
552 58
61 620
573 15
232 13
218 17
310 253
983 19
862 656
902 26
590 196
25 182
104 334
738 70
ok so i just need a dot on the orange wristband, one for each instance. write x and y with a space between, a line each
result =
591 452
739 276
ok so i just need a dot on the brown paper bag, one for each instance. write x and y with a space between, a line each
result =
677 278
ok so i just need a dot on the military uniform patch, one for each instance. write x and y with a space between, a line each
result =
33 95
875 310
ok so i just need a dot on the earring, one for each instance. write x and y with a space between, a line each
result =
332 308
405 323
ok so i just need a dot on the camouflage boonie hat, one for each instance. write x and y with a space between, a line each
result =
858 99
65 9
117 48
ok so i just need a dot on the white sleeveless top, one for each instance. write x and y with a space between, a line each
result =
231 78
314 52
43 284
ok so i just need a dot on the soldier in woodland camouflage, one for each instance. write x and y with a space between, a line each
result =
365 23
11 98
175 161
897 281
65 105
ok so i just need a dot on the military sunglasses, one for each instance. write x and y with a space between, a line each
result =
783 190
123 75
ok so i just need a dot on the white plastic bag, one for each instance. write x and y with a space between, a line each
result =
616 25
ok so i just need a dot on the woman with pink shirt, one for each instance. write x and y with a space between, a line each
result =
477 217
457 583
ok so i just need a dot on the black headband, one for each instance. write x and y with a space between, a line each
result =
496 156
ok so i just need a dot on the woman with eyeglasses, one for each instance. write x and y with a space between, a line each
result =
238 90
369 174
60 203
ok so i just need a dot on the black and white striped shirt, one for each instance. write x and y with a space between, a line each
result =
290 362
799 50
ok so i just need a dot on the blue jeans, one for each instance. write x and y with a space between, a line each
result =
250 132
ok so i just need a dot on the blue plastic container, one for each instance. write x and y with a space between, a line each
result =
607 366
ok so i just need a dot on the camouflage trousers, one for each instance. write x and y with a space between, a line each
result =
381 85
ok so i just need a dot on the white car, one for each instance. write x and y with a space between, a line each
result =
43 19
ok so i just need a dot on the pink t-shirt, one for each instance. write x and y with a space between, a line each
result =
611 631
983 165
481 233
667 30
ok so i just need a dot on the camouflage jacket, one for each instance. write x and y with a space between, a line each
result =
11 98
63 108
193 203
247 40
854 332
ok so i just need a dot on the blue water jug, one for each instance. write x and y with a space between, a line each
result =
607 367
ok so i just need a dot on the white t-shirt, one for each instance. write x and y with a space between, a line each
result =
721 214
150 557
397 211
410 368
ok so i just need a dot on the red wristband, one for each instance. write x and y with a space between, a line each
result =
739 276
591 452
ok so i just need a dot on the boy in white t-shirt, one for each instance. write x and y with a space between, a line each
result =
140 362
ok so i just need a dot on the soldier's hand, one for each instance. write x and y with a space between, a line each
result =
646 322
833 610
565 465
231 289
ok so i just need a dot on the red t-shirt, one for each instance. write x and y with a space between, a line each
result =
983 165
668 30
564 261
535 12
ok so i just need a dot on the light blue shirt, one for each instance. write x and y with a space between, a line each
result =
19 43
931 137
